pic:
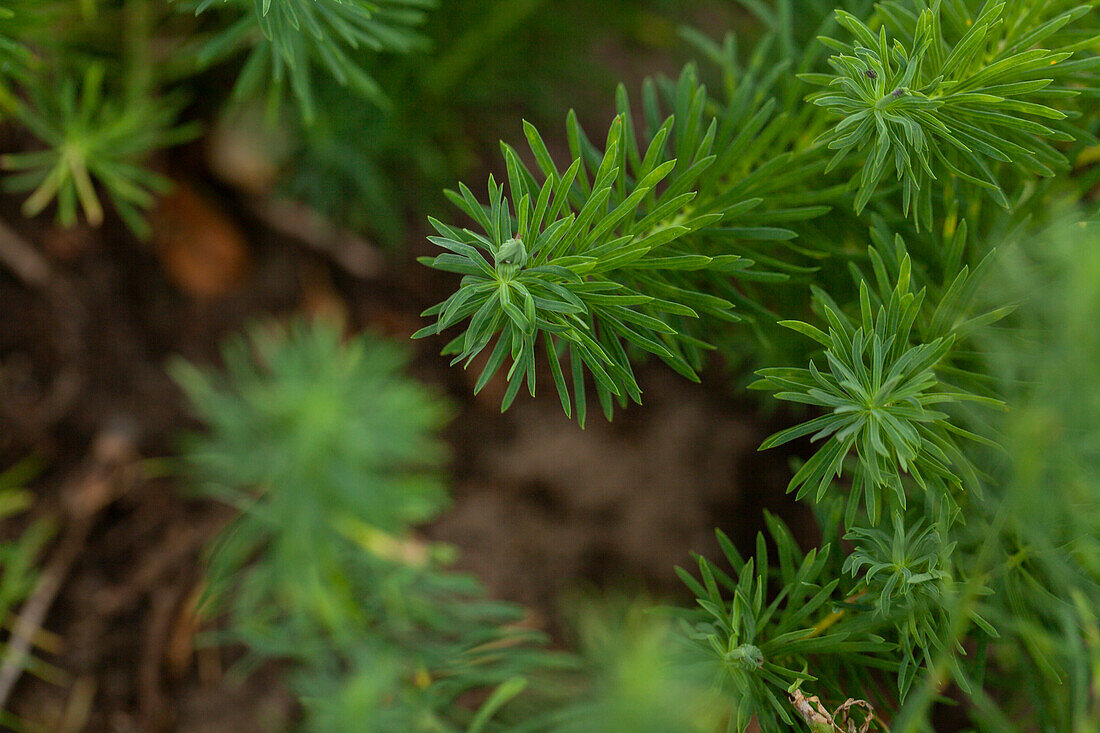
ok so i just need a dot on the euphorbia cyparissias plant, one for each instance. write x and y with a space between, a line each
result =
828 217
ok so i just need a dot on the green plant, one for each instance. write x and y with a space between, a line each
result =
879 392
930 104
763 642
91 139
331 454
727 223
577 280
87 89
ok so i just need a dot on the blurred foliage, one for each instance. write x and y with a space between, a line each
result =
632 663
331 455
287 39
21 547
90 138
382 101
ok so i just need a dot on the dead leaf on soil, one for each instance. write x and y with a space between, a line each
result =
203 251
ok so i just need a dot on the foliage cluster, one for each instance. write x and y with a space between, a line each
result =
331 454
350 102
841 242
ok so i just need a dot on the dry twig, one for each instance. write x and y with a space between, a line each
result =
821 720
